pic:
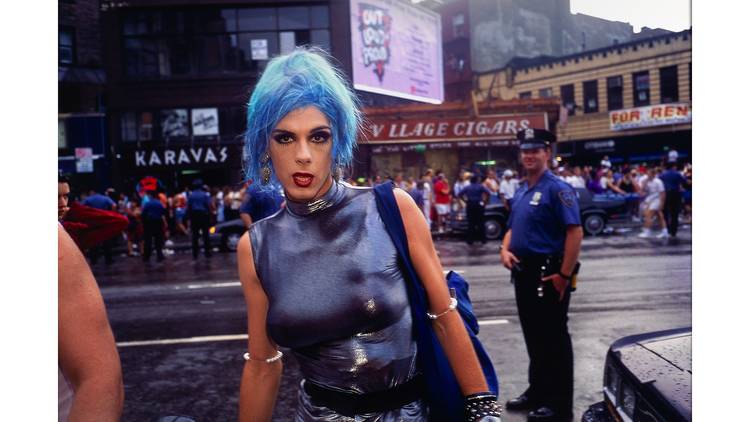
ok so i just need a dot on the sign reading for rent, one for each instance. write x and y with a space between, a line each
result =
656 115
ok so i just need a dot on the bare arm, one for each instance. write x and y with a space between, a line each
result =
260 380
449 328
87 353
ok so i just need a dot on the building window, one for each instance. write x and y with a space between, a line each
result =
614 93
567 95
668 84
641 87
65 46
590 100
545 93
162 44
128 125
459 25
525 95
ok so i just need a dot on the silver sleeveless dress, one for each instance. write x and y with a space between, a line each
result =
337 299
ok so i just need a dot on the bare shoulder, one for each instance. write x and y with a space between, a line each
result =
404 200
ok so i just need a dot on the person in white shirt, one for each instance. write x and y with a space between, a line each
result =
653 203
507 187
605 163
575 179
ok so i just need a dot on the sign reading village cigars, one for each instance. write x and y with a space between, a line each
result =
483 128
195 156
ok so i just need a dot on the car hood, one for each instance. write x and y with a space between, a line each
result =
663 360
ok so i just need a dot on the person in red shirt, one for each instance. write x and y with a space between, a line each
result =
442 201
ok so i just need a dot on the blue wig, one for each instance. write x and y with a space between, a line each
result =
299 79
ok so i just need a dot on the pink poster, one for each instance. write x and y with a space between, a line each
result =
397 50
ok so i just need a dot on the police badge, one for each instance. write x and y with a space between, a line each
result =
567 197
536 198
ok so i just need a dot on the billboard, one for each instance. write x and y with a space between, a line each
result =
396 50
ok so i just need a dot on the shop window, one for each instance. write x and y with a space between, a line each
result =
614 93
215 20
641 87
146 126
256 48
321 38
65 46
567 95
668 85
525 95
545 93
216 53
319 17
590 94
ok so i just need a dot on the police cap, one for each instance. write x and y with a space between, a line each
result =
535 138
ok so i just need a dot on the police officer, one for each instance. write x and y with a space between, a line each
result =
541 249
475 195
154 219
199 209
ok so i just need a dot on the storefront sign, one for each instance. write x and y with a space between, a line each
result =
656 115
420 148
482 128
397 50
205 121
84 160
180 156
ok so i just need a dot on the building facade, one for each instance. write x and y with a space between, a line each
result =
82 145
630 101
180 74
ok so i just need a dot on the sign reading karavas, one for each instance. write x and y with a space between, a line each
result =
433 130
656 115
396 50
181 156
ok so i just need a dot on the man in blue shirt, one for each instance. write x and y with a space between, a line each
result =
475 195
673 182
154 219
259 204
100 202
199 209
541 249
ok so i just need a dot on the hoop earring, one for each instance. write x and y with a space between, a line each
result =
265 170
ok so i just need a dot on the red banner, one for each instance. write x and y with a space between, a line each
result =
435 130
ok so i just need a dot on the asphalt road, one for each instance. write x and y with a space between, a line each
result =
180 324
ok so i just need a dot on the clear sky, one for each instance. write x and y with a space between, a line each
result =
668 14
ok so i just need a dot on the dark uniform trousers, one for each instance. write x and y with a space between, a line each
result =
475 218
672 207
544 321
153 233
199 222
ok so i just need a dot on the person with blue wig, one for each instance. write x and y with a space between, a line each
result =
321 276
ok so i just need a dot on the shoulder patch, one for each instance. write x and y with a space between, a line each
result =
567 197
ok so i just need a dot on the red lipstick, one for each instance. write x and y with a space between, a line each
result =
303 180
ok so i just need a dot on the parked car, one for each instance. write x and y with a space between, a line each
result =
226 235
495 220
596 212
647 377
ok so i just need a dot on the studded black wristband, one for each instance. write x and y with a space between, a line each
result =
480 405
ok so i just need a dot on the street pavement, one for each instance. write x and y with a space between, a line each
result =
180 324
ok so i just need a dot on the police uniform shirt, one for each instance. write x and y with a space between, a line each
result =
153 210
540 215
473 192
199 201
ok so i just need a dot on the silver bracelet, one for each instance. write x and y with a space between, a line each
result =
273 359
451 307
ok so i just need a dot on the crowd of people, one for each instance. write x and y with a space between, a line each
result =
657 192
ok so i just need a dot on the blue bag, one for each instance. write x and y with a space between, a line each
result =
444 395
